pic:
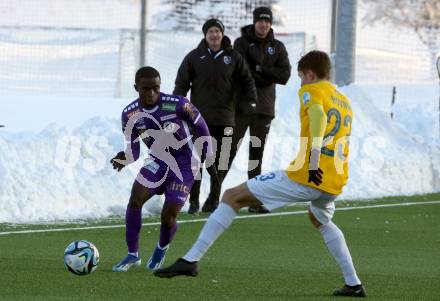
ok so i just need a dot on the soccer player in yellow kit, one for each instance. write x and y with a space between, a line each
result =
318 175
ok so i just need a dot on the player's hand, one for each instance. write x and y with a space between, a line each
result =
212 170
258 68
315 176
118 160
315 173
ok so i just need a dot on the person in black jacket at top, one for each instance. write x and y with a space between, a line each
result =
212 71
269 63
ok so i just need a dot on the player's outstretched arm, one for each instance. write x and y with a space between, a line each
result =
188 112
201 129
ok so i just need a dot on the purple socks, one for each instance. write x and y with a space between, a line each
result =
166 234
133 222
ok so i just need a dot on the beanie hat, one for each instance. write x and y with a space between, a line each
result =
213 22
262 13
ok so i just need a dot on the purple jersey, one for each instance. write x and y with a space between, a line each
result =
172 116
165 128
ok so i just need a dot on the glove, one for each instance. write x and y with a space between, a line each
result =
116 161
212 170
315 176
315 173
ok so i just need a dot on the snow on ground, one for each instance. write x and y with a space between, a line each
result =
54 153
55 148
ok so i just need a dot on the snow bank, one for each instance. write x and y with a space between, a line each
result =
63 173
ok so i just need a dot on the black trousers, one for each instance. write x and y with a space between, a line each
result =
218 133
259 127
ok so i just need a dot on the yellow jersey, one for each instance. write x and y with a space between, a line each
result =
335 147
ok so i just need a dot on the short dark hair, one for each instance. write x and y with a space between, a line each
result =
318 62
146 72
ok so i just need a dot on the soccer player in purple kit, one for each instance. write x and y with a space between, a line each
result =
163 123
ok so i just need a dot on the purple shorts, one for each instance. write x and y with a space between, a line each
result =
160 179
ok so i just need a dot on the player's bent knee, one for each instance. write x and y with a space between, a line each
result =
231 197
314 221
135 202
168 217
139 195
239 197
228 197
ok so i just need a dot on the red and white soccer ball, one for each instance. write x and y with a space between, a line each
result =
81 257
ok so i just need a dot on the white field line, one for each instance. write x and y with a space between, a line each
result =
205 219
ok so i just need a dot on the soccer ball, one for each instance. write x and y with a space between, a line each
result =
81 257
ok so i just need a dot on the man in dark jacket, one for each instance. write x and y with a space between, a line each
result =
269 63
213 71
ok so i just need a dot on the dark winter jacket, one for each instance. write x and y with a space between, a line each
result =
271 55
213 79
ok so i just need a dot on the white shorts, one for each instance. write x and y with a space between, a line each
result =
275 190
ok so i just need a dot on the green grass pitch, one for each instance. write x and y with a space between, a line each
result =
396 251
